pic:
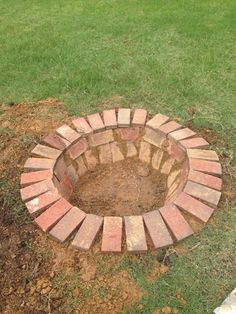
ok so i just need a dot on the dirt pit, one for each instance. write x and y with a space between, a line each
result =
124 188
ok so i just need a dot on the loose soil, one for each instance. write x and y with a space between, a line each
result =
124 188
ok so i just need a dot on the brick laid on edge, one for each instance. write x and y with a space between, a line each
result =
101 138
68 133
153 137
82 126
194 207
145 152
131 149
157 229
124 117
43 201
139 117
181 134
202 192
82 169
194 142
78 148
205 179
56 141
70 222
202 154
35 164
112 234
96 122
46 152
167 166
176 222
109 118
29 178
105 155
91 160
53 214
176 152
36 189
212 167
116 152
135 234
157 159
129 134
87 232
157 121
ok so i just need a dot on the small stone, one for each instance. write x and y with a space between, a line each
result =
143 170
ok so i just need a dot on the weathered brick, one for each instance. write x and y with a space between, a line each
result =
63 186
167 166
157 121
82 126
72 175
139 117
176 222
202 192
202 154
101 138
78 148
60 168
205 179
153 137
175 151
173 177
116 152
172 190
56 141
68 223
145 152
194 142
46 152
131 149
29 178
205 166
35 164
105 155
91 160
157 159
194 207
36 189
68 133
124 117
43 201
82 169
53 214
183 175
96 122
169 127
129 134
109 118
181 134
135 234
87 232
157 229
112 234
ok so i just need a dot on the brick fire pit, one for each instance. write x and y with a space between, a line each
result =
190 170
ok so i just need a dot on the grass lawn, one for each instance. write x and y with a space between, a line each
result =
174 57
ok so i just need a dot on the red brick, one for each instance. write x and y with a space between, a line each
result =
157 159
82 126
116 152
105 155
87 232
36 189
63 186
129 134
78 148
145 152
101 138
60 168
82 169
109 118
176 222
34 177
131 149
135 234
43 201
183 175
56 141
167 166
96 122
202 192
153 137
157 229
194 207
194 142
205 166
139 118
46 152
205 179
124 117
68 224
157 121
112 234
53 214
68 133
202 154
173 177
176 152
181 134
72 175
91 160
35 164
169 127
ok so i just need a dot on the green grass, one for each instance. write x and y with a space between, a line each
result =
166 56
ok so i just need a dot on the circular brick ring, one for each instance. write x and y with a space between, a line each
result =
193 183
